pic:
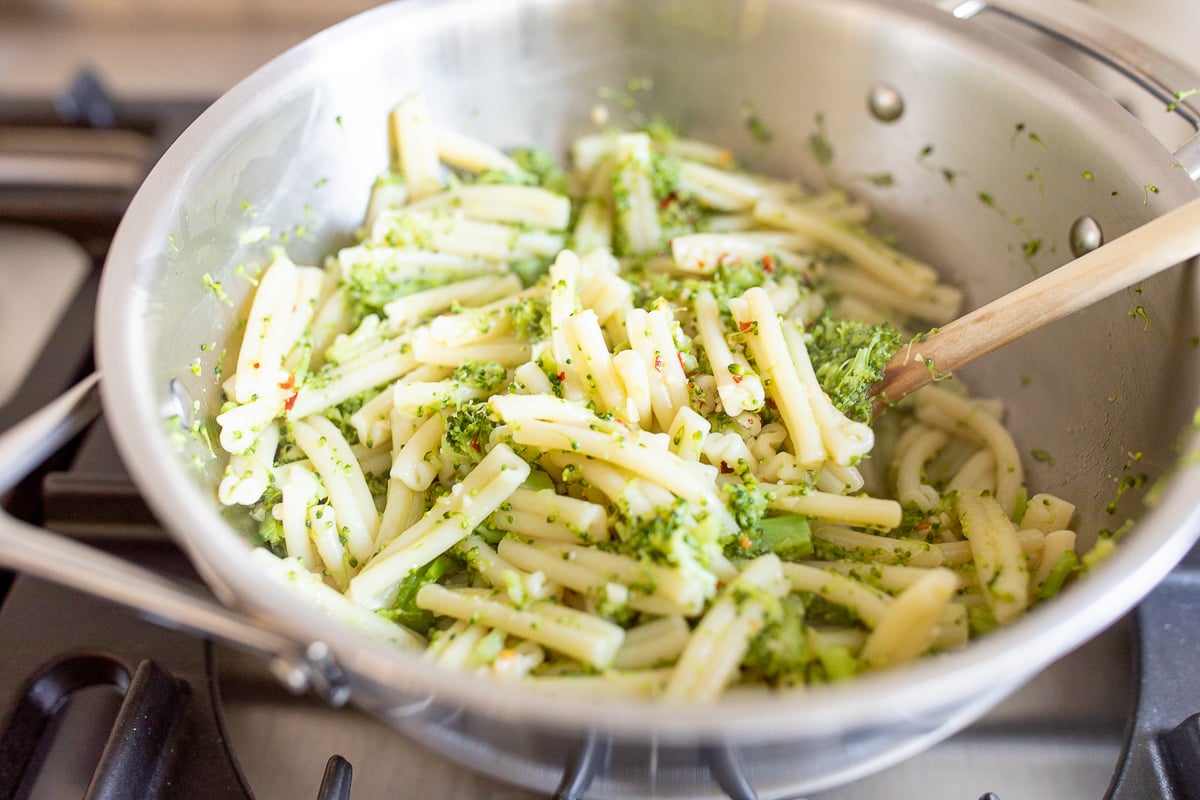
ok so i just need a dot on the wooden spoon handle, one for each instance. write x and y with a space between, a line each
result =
1145 251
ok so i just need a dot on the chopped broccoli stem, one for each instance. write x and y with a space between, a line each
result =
838 662
405 609
1066 566
788 536
486 375
981 620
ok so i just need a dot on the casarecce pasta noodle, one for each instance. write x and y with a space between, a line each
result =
609 430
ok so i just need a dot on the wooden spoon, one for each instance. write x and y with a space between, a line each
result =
1161 243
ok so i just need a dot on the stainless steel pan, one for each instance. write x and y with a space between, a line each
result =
997 153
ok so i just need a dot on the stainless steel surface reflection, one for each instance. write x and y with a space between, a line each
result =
1060 737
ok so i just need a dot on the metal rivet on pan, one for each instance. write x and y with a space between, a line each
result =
1086 236
885 102
178 404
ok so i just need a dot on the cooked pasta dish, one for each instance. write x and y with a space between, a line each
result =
609 429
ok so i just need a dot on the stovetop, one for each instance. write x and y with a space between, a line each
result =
88 690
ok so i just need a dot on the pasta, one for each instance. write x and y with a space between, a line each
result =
609 431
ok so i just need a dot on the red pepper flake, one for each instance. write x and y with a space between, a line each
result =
680 357
255 365
737 378
658 362
745 542
475 444
288 383
724 467
745 326
769 264
562 376
291 401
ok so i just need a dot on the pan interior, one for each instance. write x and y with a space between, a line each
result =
997 153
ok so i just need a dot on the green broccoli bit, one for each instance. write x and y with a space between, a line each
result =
747 502
270 530
650 286
664 176
1100 552
733 277
538 480
671 536
340 415
849 357
661 132
780 653
980 619
486 650
486 375
820 611
838 662
530 270
538 169
1063 568
405 610
787 536
544 169
372 285
531 318
468 430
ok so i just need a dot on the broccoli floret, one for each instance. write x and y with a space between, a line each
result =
732 278
780 653
836 663
539 169
674 535
661 132
849 357
917 523
408 231
678 212
648 287
371 285
530 270
405 609
486 375
664 176
468 430
787 536
654 536
340 415
747 502
530 318
980 619
270 530
820 611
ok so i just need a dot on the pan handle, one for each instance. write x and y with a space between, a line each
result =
43 554
1085 29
